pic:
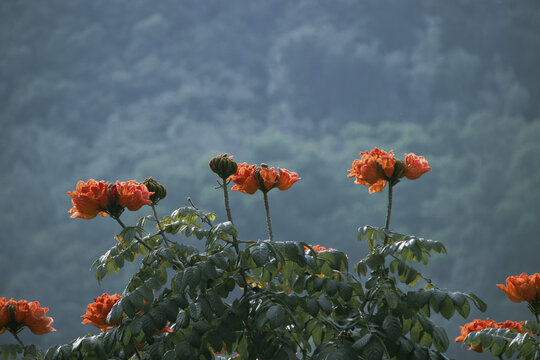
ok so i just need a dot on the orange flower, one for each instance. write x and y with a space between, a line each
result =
365 169
244 178
268 177
132 195
286 179
477 325
416 166
4 315
522 288
16 314
89 199
96 313
317 248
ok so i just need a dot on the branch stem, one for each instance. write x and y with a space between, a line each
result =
17 338
228 210
389 208
268 220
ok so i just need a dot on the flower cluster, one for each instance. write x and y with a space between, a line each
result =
97 312
250 178
477 325
14 315
94 198
377 167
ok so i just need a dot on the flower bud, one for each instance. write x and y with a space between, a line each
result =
223 166
153 186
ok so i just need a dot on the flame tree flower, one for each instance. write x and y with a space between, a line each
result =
244 179
524 288
133 195
477 325
377 167
286 179
366 172
96 312
416 166
317 248
92 198
89 199
15 315
250 178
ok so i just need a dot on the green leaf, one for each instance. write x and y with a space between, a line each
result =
195 311
345 291
220 260
153 283
447 308
325 304
332 287
482 306
192 276
156 350
128 234
312 306
373 350
392 327
148 325
392 299
276 315
116 313
374 261
259 254
146 293
169 355
362 342
182 319
361 268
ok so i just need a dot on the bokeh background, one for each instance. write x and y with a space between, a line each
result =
127 89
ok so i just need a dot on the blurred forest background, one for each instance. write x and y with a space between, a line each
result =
128 89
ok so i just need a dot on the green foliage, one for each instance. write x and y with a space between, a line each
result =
16 351
508 342
267 299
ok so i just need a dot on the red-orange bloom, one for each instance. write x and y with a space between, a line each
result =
96 312
286 179
269 177
89 199
132 195
477 325
522 288
317 248
17 314
365 169
416 166
244 178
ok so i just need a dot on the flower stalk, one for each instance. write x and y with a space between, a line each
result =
17 338
389 207
268 220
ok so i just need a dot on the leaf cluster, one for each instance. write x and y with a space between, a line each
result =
266 299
